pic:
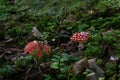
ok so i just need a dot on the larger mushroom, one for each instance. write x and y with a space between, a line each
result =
80 37
37 47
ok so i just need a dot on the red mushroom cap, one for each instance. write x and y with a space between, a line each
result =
33 46
80 37
46 48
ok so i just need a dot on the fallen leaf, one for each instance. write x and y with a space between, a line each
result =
92 65
36 32
79 66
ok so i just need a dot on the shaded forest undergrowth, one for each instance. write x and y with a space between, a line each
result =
55 22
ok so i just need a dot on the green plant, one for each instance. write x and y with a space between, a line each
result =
98 41
59 62
27 61
6 70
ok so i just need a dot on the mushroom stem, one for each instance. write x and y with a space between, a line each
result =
80 46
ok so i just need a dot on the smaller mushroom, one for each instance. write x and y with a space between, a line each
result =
46 48
37 46
80 37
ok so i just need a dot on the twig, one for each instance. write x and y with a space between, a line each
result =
27 73
2 54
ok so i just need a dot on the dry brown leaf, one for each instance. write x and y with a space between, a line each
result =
92 65
79 66
36 32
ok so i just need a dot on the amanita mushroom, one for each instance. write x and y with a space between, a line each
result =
80 37
46 48
33 46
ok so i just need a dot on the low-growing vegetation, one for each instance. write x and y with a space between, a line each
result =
52 23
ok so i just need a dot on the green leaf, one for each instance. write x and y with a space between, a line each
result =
101 78
54 65
90 74
82 27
